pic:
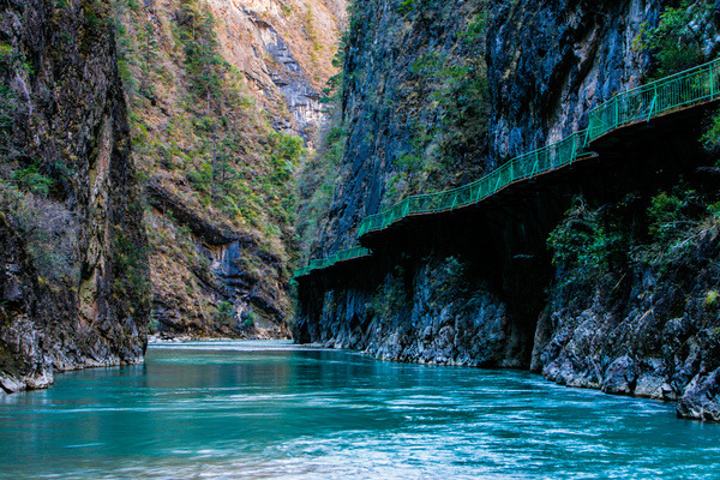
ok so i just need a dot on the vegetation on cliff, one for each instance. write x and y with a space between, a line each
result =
74 288
215 155
425 117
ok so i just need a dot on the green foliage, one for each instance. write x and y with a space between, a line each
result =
714 210
316 185
205 66
33 180
711 137
450 131
476 29
406 6
8 107
227 188
408 162
225 313
8 98
249 320
6 53
286 151
154 325
675 42
666 215
711 298
131 270
583 245
97 17
675 221
332 93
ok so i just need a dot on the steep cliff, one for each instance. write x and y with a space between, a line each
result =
225 98
73 277
605 303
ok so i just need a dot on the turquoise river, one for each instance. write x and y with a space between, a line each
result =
273 410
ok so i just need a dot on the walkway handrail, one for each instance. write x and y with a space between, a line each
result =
694 86
522 167
323 263
641 104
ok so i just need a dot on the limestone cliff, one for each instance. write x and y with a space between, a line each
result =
73 276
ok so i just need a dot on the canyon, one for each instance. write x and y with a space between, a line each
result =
167 164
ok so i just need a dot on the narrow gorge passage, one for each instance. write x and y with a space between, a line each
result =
372 239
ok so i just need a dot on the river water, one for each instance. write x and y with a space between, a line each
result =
273 410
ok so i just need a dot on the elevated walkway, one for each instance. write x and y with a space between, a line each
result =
653 107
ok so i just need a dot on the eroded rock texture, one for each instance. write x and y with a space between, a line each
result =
73 275
647 326
218 89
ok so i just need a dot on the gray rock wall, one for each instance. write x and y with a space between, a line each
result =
642 329
73 281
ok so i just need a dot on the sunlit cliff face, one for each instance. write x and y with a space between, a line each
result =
285 49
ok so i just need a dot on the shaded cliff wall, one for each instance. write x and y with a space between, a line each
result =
73 278
413 125
523 303
412 107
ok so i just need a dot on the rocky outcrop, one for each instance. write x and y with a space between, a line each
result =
73 277
436 311
222 272
647 326
285 49
552 61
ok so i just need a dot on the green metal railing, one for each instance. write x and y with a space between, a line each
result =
681 90
542 160
323 263
676 92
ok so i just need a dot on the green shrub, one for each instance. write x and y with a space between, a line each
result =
132 280
225 313
714 210
154 324
406 6
711 137
31 179
711 298
6 53
583 245
674 42
249 321
665 216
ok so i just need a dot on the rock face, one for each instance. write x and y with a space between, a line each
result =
285 49
218 90
552 61
434 312
397 61
73 277
643 325
640 327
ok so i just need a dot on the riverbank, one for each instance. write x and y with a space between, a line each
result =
276 410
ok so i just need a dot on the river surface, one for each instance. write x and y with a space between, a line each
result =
272 410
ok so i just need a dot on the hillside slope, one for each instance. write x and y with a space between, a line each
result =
225 100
